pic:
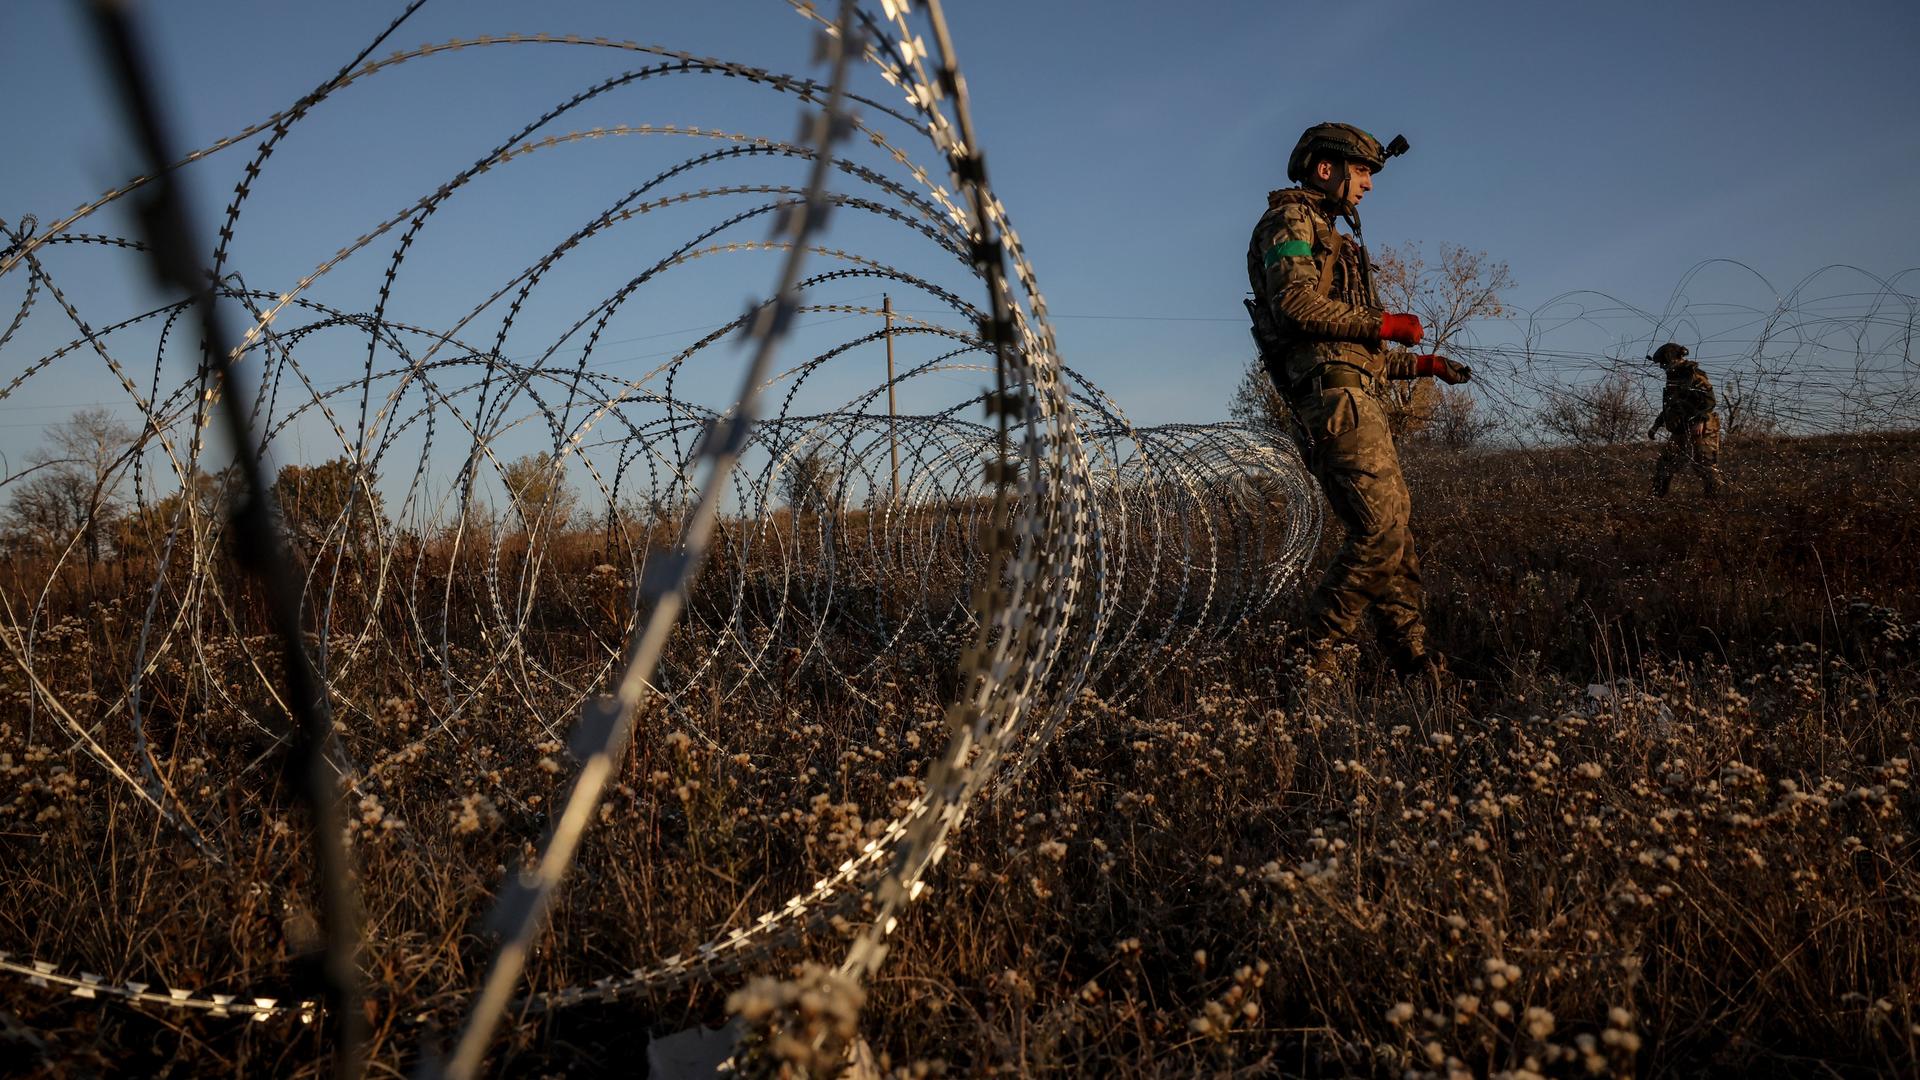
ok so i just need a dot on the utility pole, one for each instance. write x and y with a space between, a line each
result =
893 434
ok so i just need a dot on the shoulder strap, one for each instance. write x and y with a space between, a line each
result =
1328 261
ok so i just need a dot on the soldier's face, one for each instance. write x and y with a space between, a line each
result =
1357 181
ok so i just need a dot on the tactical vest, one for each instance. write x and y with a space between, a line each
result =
1289 356
1687 399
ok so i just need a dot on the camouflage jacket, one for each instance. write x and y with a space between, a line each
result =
1687 398
1292 240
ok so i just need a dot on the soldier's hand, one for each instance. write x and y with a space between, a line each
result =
1403 328
1653 432
1451 372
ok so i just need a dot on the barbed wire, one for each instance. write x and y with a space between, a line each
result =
1054 545
258 545
1822 356
86 984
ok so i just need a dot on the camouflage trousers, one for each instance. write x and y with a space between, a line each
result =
1687 448
1376 571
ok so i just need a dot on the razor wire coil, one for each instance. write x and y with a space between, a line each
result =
1182 534
1052 545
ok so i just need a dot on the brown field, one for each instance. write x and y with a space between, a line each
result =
1669 830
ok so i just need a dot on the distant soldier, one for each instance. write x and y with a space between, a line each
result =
1687 415
1322 333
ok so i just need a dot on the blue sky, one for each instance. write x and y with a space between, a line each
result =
1592 147
1605 147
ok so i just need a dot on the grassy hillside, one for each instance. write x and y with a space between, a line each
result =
1669 830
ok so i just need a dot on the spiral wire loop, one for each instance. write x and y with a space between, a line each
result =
1051 548
794 520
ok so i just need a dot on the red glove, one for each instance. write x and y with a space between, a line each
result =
1442 368
1405 329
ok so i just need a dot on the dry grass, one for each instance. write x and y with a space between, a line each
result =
1671 830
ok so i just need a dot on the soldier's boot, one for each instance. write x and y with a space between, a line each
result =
1324 665
1418 666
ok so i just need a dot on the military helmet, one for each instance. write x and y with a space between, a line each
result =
1343 141
1669 354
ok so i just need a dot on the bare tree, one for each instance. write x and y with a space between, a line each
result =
326 502
203 495
1748 406
1256 401
1613 410
811 483
1447 295
72 488
1456 421
537 486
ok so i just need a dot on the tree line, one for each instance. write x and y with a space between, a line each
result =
71 498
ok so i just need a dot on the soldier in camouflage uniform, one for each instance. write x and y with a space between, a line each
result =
1322 334
1687 415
